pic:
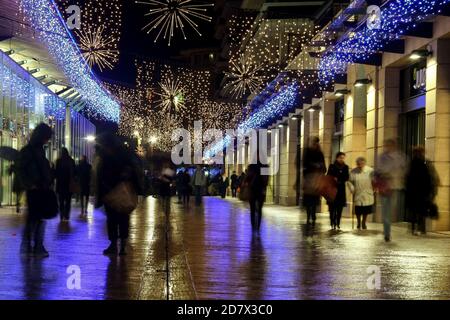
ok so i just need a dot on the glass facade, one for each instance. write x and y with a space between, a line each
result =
25 102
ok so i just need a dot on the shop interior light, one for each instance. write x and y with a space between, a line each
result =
419 54
90 138
362 82
342 92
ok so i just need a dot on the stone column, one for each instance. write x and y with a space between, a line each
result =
288 163
438 126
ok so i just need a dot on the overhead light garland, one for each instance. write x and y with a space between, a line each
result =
396 18
285 99
52 31
168 16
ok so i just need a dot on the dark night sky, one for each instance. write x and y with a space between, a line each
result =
135 42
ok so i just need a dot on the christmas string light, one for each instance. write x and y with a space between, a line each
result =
53 33
94 47
170 15
171 96
98 16
243 78
285 99
397 17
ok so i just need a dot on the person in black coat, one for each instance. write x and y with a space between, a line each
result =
35 174
313 168
341 173
257 185
65 178
116 165
422 183
234 184
84 170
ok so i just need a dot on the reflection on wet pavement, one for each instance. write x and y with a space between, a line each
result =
210 253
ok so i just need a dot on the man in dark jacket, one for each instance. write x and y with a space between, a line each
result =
84 170
35 175
234 184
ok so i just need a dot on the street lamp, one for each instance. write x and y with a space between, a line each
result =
419 54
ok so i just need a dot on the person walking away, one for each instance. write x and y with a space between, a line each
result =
16 185
422 183
179 184
65 178
340 172
186 187
257 185
35 175
167 177
361 185
313 169
224 186
84 172
389 183
234 184
199 182
117 170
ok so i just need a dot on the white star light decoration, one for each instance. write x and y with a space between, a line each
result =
168 16
171 97
243 77
96 48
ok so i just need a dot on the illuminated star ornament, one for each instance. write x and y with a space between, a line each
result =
168 16
171 97
243 77
96 48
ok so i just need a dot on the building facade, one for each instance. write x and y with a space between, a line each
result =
403 95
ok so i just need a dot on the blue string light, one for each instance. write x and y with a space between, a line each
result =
276 106
396 18
54 34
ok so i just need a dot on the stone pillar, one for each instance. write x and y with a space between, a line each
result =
288 163
326 128
437 126
355 116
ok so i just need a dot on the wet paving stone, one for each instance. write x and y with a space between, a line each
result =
210 253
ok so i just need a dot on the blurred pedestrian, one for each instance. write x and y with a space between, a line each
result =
422 183
186 187
179 184
199 182
340 171
257 186
389 183
65 179
166 178
17 187
361 185
84 172
35 176
234 184
118 186
224 186
313 169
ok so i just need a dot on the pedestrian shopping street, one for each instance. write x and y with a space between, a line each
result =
210 253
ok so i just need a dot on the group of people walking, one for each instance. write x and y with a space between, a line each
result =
391 177
49 189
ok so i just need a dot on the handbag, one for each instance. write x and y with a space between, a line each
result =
244 192
42 203
327 188
122 198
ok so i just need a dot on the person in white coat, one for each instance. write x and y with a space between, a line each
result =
360 183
